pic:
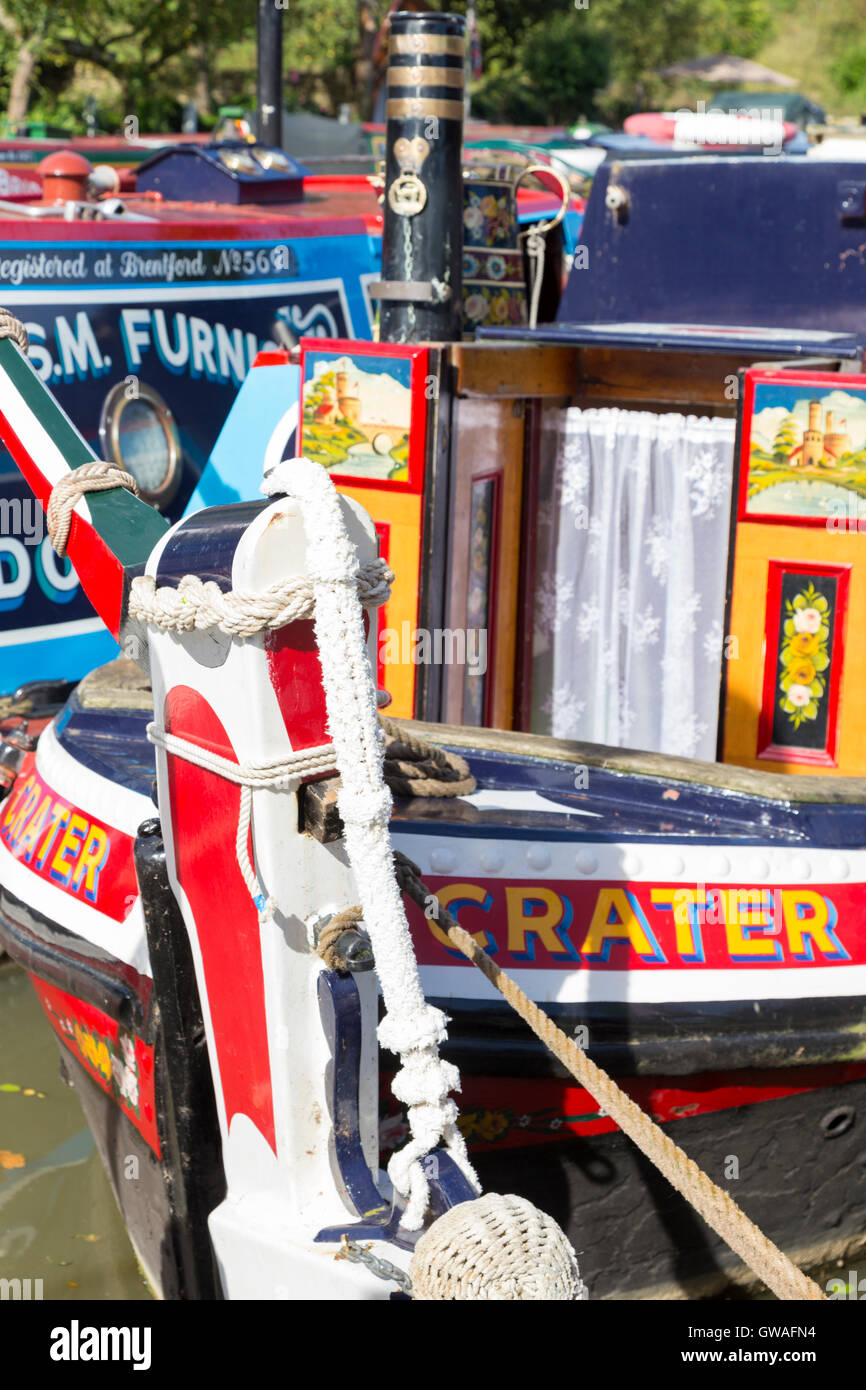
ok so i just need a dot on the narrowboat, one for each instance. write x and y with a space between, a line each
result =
690 911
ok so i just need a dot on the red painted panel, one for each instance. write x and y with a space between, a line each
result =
68 848
116 1059
504 1112
204 816
296 676
615 926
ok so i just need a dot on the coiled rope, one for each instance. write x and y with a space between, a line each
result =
717 1208
13 328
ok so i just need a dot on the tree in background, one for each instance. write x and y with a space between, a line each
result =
544 61
645 37
787 438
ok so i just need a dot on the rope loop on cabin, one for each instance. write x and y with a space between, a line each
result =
11 327
414 767
496 1248
411 1027
196 605
66 492
718 1209
278 775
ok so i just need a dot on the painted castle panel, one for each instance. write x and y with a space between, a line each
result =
804 449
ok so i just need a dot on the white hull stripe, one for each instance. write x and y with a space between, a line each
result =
124 940
35 439
79 628
662 986
106 801
459 857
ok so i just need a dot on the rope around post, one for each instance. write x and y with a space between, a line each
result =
718 1209
411 1027
198 606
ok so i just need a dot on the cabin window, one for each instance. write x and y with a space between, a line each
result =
138 432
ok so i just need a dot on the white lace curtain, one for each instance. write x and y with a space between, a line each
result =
631 561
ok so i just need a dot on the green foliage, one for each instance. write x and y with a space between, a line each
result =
550 78
787 438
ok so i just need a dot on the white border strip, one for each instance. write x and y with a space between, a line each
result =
116 806
125 940
635 861
659 985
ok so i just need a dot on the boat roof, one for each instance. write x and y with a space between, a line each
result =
704 253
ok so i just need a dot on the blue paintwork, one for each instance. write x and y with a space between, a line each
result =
186 319
205 542
234 469
726 242
379 1218
626 805
196 173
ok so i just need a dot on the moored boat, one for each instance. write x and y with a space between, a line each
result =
695 924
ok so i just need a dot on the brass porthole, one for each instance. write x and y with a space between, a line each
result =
138 432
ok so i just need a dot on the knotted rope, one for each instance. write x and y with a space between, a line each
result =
717 1208
90 477
411 1028
13 328
198 606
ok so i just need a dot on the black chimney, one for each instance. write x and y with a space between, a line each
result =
422 247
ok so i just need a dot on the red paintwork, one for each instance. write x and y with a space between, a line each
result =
418 356
383 535
505 1112
825 757
204 816
68 848
331 207
753 377
296 676
64 175
92 1037
734 932
277 357
661 126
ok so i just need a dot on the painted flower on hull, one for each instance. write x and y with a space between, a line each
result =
807 620
799 695
804 655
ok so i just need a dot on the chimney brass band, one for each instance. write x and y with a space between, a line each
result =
425 77
426 43
424 106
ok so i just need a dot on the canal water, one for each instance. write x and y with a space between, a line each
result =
58 1218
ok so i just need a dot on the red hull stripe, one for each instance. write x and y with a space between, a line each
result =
117 1060
204 814
122 531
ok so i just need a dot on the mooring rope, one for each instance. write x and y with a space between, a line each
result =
90 477
414 767
11 327
717 1208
